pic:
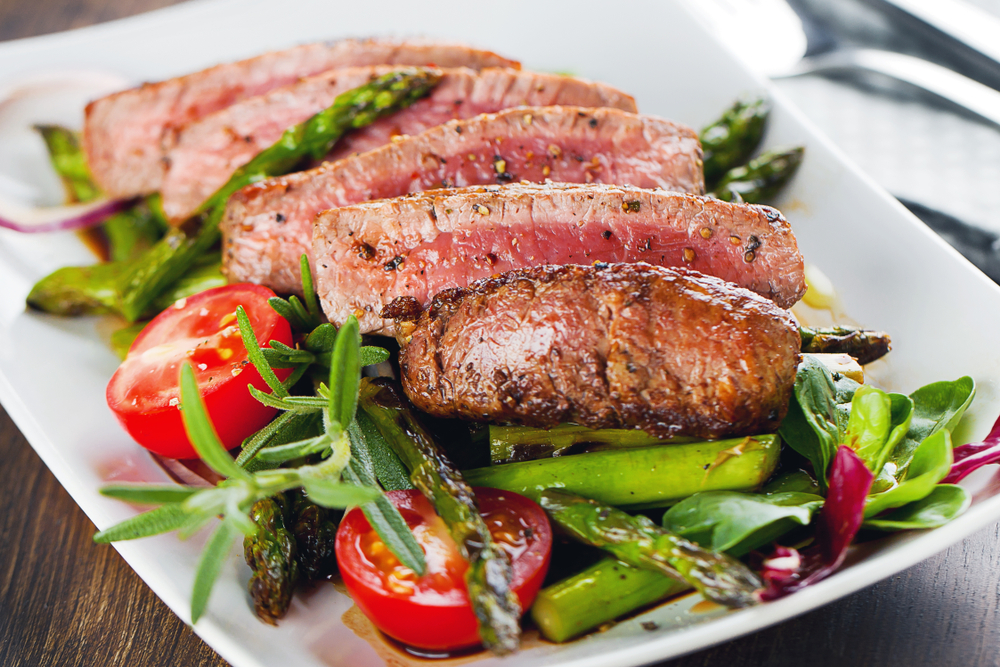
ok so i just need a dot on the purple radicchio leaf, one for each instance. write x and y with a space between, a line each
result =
788 570
973 456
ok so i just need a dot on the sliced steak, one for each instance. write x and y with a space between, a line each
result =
126 134
268 225
369 254
208 151
667 350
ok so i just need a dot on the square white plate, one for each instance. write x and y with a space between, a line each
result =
890 271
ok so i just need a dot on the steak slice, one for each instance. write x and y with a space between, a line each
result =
268 225
368 254
209 150
667 350
125 135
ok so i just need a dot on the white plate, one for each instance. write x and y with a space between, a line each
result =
892 273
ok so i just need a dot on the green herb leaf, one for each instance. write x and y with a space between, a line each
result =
300 404
293 450
307 288
738 523
279 355
329 493
373 355
149 494
161 520
255 354
322 338
288 427
209 565
262 438
345 374
386 519
369 446
930 464
200 430
286 310
943 504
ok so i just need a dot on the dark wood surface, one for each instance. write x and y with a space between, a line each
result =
66 601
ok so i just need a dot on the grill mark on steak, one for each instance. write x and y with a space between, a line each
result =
126 134
684 354
449 238
641 150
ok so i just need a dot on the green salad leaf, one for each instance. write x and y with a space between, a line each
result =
944 503
936 406
877 423
810 427
738 523
930 464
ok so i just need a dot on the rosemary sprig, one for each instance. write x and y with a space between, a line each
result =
337 401
320 426
304 317
187 509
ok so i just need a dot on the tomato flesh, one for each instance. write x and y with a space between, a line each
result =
144 392
432 611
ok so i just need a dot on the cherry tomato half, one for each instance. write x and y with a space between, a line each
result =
433 611
144 392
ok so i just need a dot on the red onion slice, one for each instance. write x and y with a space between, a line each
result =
58 218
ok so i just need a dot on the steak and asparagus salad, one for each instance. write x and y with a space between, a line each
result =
475 340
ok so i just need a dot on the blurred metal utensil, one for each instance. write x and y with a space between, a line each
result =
771 38
969 36
979 246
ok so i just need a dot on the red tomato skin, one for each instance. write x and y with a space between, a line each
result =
446 626
233 411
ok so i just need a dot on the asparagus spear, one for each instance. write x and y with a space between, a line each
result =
69 162
271 555
604 591
524 443
729 141
122 339
134 231
489 575
206 273
90 290
760 179
77 290
865 345
639 477
315 531
128 233
639 542
132 287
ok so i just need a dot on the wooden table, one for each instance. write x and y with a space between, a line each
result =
66 601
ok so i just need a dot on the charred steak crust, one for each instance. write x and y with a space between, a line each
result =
667 350
126 134
417 245
268 225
